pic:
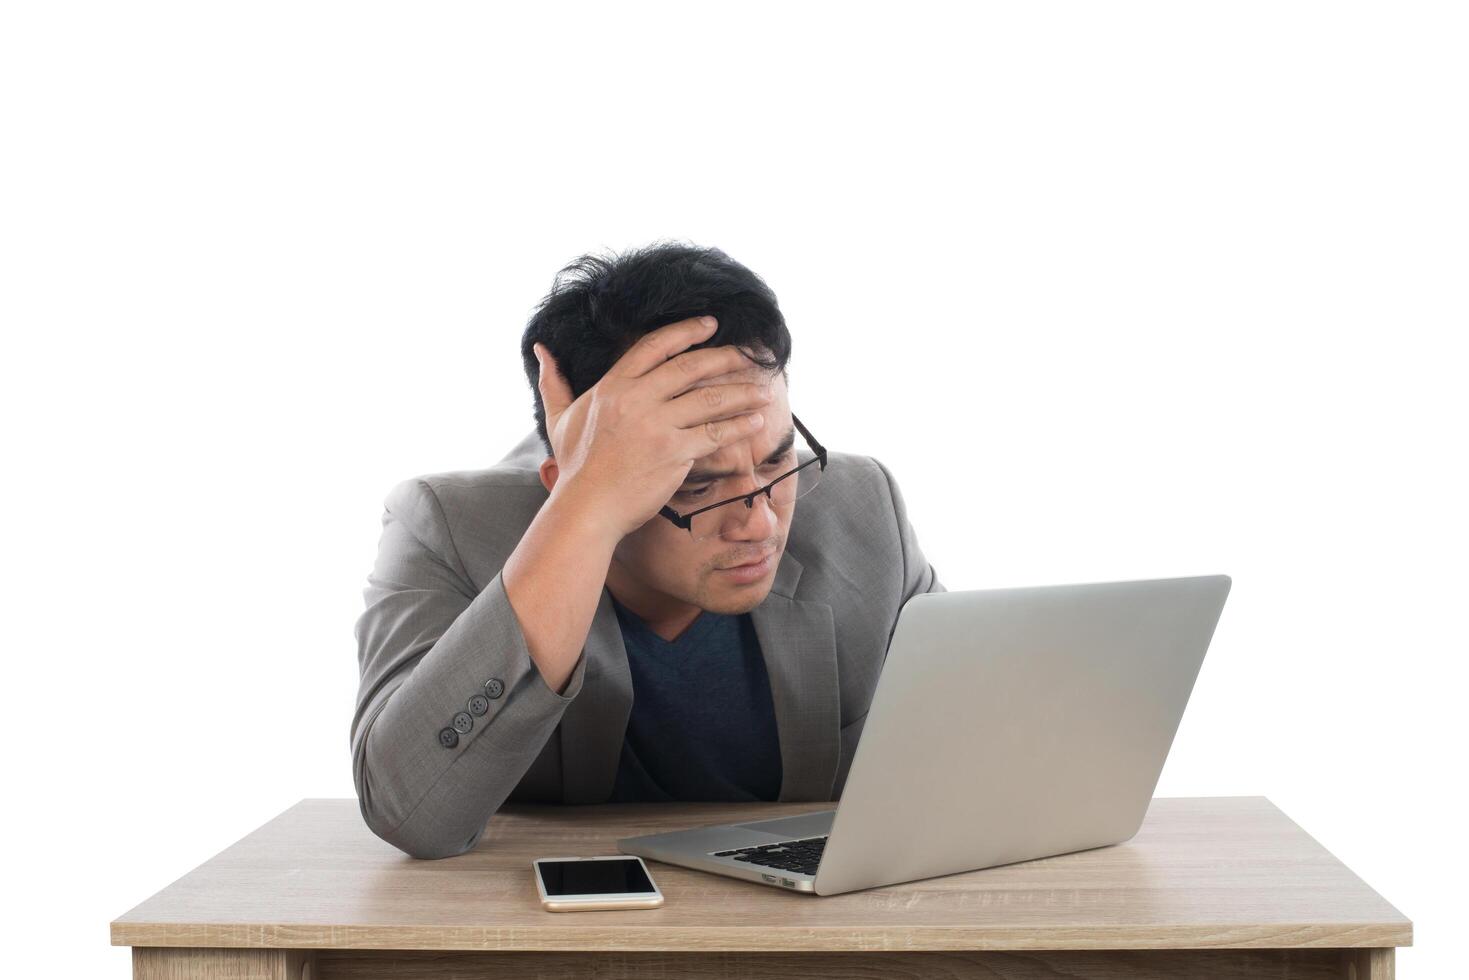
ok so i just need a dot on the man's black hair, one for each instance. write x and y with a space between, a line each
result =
600 305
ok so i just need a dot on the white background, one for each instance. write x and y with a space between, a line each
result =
1117 291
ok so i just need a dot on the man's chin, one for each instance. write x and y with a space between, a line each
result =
740 598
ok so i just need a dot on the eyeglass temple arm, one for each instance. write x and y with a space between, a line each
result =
819 449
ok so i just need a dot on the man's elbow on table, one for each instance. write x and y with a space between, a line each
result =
433 848
425 827
421 839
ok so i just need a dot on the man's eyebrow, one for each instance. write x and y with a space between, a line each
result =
786 442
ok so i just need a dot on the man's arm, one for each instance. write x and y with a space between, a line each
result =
430 648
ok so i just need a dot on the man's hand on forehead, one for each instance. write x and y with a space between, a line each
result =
754 374
622 448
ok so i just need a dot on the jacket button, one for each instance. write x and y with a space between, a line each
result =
494 687
479 704
448 737
463 723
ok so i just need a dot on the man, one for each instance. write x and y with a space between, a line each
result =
579 624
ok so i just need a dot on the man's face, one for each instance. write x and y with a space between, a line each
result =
660 567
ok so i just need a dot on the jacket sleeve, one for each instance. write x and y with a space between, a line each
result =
918 574
427 646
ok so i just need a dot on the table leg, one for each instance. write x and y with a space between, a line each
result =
1369 964
184 963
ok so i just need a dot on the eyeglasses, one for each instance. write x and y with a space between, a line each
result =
706 522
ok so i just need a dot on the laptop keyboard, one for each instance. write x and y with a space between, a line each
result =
801 856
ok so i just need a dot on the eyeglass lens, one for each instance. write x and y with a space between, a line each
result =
784 492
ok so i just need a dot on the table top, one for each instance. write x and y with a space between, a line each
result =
1207 872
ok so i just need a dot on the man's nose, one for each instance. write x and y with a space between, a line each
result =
755 522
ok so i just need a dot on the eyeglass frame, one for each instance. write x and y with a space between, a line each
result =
686 521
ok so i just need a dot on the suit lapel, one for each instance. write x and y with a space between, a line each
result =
798 643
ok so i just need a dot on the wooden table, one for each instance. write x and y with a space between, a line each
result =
1216 888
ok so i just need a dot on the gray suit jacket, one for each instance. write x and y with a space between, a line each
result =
438 628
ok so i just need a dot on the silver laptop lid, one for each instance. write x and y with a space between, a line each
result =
1012 724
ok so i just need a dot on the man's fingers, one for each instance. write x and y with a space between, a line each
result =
713 402
714 436
657 346
681 372
555 392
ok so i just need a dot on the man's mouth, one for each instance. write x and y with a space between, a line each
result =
753 561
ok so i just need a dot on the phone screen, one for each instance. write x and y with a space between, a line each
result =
594 877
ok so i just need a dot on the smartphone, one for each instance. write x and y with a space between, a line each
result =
613 881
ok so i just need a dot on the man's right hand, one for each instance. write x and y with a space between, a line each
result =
630 440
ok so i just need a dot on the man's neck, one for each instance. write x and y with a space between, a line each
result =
667 617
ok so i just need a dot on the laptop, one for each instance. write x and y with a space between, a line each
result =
1007 724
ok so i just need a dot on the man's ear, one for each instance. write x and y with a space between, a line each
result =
549 472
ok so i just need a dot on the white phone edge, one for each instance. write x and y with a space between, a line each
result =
614 901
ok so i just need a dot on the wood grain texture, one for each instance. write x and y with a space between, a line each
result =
221 964
1214 873
1369 964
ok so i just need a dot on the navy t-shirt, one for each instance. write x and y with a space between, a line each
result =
702 725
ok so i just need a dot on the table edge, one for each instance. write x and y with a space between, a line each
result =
573 938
